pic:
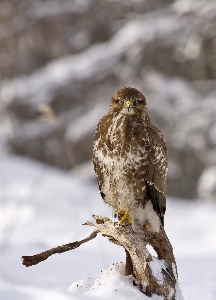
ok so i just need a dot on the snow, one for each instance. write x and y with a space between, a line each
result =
207 184
42 207
82 83
156 266
110 284
85 124
98 60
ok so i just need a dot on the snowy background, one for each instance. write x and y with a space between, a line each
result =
42 207
71 55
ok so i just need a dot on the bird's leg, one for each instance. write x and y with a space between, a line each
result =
126 216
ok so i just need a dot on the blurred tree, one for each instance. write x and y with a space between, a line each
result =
72 55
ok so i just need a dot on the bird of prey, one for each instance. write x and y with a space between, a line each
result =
130 161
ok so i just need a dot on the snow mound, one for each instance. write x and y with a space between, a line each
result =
113 284
110 284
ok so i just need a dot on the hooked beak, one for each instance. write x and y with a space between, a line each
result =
128 104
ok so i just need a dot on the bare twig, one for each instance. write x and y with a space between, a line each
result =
35 259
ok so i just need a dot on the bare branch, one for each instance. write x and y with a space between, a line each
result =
35 259
139 261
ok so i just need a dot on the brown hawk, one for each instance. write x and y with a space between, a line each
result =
130 161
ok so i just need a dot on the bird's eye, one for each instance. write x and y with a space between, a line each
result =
135 102
121 101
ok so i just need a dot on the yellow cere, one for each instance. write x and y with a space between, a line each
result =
128 102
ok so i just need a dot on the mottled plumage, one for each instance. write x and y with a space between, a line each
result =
130 160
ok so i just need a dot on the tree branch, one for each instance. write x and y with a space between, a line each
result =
155 275
35 259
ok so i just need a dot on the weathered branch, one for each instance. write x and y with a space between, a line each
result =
161 245
138 259
35 259
155 275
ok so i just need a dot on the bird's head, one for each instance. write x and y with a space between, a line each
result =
128 101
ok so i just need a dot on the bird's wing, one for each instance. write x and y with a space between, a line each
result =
156 174
100 141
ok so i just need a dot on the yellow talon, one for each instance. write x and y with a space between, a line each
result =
126 216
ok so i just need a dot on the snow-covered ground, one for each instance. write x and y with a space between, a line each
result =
42 207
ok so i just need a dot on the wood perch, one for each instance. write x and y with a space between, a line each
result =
35 259
139 261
